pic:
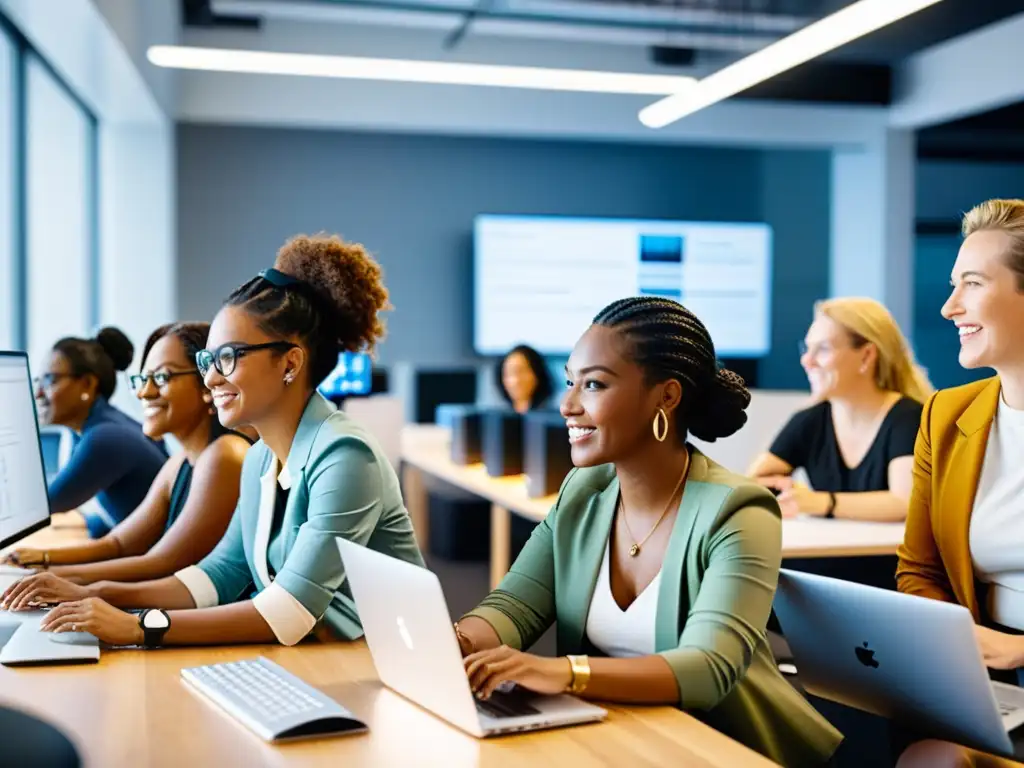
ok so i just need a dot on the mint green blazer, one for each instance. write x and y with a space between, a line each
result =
717 584
343 485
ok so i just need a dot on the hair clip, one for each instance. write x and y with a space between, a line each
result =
278 278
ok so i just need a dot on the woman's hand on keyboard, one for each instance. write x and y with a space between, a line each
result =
98 618
41 589
489 669
24 557
999 649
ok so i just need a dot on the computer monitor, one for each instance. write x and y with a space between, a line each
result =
352 376
24 503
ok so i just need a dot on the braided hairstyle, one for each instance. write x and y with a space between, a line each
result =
103 356
335 307
668 341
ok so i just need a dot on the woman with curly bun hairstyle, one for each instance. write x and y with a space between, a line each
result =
112 461
314 475
654 559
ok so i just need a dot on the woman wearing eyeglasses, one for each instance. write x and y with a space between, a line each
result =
314 476
857 443
112 460
189 505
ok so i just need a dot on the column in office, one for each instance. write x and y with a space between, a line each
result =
873 213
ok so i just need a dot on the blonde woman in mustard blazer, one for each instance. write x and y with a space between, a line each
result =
965 528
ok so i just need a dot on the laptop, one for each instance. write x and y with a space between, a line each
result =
410 635
906 658
24 509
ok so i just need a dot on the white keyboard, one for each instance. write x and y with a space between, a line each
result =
270 701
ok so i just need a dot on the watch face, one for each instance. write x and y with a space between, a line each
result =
155 620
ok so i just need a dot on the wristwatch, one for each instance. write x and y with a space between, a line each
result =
154 623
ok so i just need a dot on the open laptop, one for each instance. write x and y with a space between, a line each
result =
24 509
410 636
907 658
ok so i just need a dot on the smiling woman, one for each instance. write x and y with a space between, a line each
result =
654 560
969 477
188 506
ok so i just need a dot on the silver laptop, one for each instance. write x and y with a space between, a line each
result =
24 509
410 636
907 658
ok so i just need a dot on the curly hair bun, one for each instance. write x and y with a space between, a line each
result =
347 279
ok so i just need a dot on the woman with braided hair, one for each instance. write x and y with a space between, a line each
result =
654 559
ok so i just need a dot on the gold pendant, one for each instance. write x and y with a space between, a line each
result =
634 550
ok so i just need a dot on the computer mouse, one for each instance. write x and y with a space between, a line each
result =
73 638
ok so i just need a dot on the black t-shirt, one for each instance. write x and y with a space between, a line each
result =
809 441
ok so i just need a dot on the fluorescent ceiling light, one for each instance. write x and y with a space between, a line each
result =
400 70
822 36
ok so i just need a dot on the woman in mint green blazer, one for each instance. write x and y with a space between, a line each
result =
654 559
314 475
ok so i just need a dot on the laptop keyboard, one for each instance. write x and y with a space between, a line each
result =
514 703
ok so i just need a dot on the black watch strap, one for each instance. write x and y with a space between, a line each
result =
154 638
831 511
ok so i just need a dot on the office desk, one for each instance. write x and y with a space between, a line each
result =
426 450
132 709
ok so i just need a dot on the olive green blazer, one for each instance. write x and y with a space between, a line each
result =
718 581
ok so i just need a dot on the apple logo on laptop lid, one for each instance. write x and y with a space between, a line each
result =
866 656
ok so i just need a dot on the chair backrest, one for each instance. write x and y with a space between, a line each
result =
56 443
767 414
384 417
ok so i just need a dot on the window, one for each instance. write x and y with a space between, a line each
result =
59 219
10 291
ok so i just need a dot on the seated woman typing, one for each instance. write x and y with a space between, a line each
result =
857 443
189 505
314 475
112 460
965 531
653 556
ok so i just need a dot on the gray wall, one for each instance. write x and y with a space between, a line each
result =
412 199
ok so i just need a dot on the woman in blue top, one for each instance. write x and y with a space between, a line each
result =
189 505
112 459
523 379
314 475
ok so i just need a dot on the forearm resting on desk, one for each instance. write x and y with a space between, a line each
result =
169 594
224 625
872 506
122 569
642 680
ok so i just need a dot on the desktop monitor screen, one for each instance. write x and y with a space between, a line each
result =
24 505
540 280
352 376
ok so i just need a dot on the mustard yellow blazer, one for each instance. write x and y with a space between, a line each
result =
935 557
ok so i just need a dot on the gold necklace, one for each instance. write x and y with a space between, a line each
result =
635 549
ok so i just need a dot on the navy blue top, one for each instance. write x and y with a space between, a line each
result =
113 461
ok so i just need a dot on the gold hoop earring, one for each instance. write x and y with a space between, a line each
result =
660 425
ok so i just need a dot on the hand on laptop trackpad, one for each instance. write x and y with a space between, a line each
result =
73 638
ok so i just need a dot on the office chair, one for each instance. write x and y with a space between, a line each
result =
26 740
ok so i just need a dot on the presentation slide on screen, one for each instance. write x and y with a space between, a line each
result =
541 280
23 499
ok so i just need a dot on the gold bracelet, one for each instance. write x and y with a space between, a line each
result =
580 673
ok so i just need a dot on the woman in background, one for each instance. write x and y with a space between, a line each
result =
654 557
523 379
965 532
188 507
857 443
112 459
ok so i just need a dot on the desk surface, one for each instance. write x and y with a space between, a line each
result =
427 447
132 709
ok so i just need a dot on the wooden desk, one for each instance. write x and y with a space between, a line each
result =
426 450
133 709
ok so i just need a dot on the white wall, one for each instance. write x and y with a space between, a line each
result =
7 234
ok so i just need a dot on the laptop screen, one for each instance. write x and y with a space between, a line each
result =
24 505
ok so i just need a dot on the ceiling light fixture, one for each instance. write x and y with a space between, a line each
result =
401 70
829 33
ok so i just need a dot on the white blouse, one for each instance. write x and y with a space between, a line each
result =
618 632
997 522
